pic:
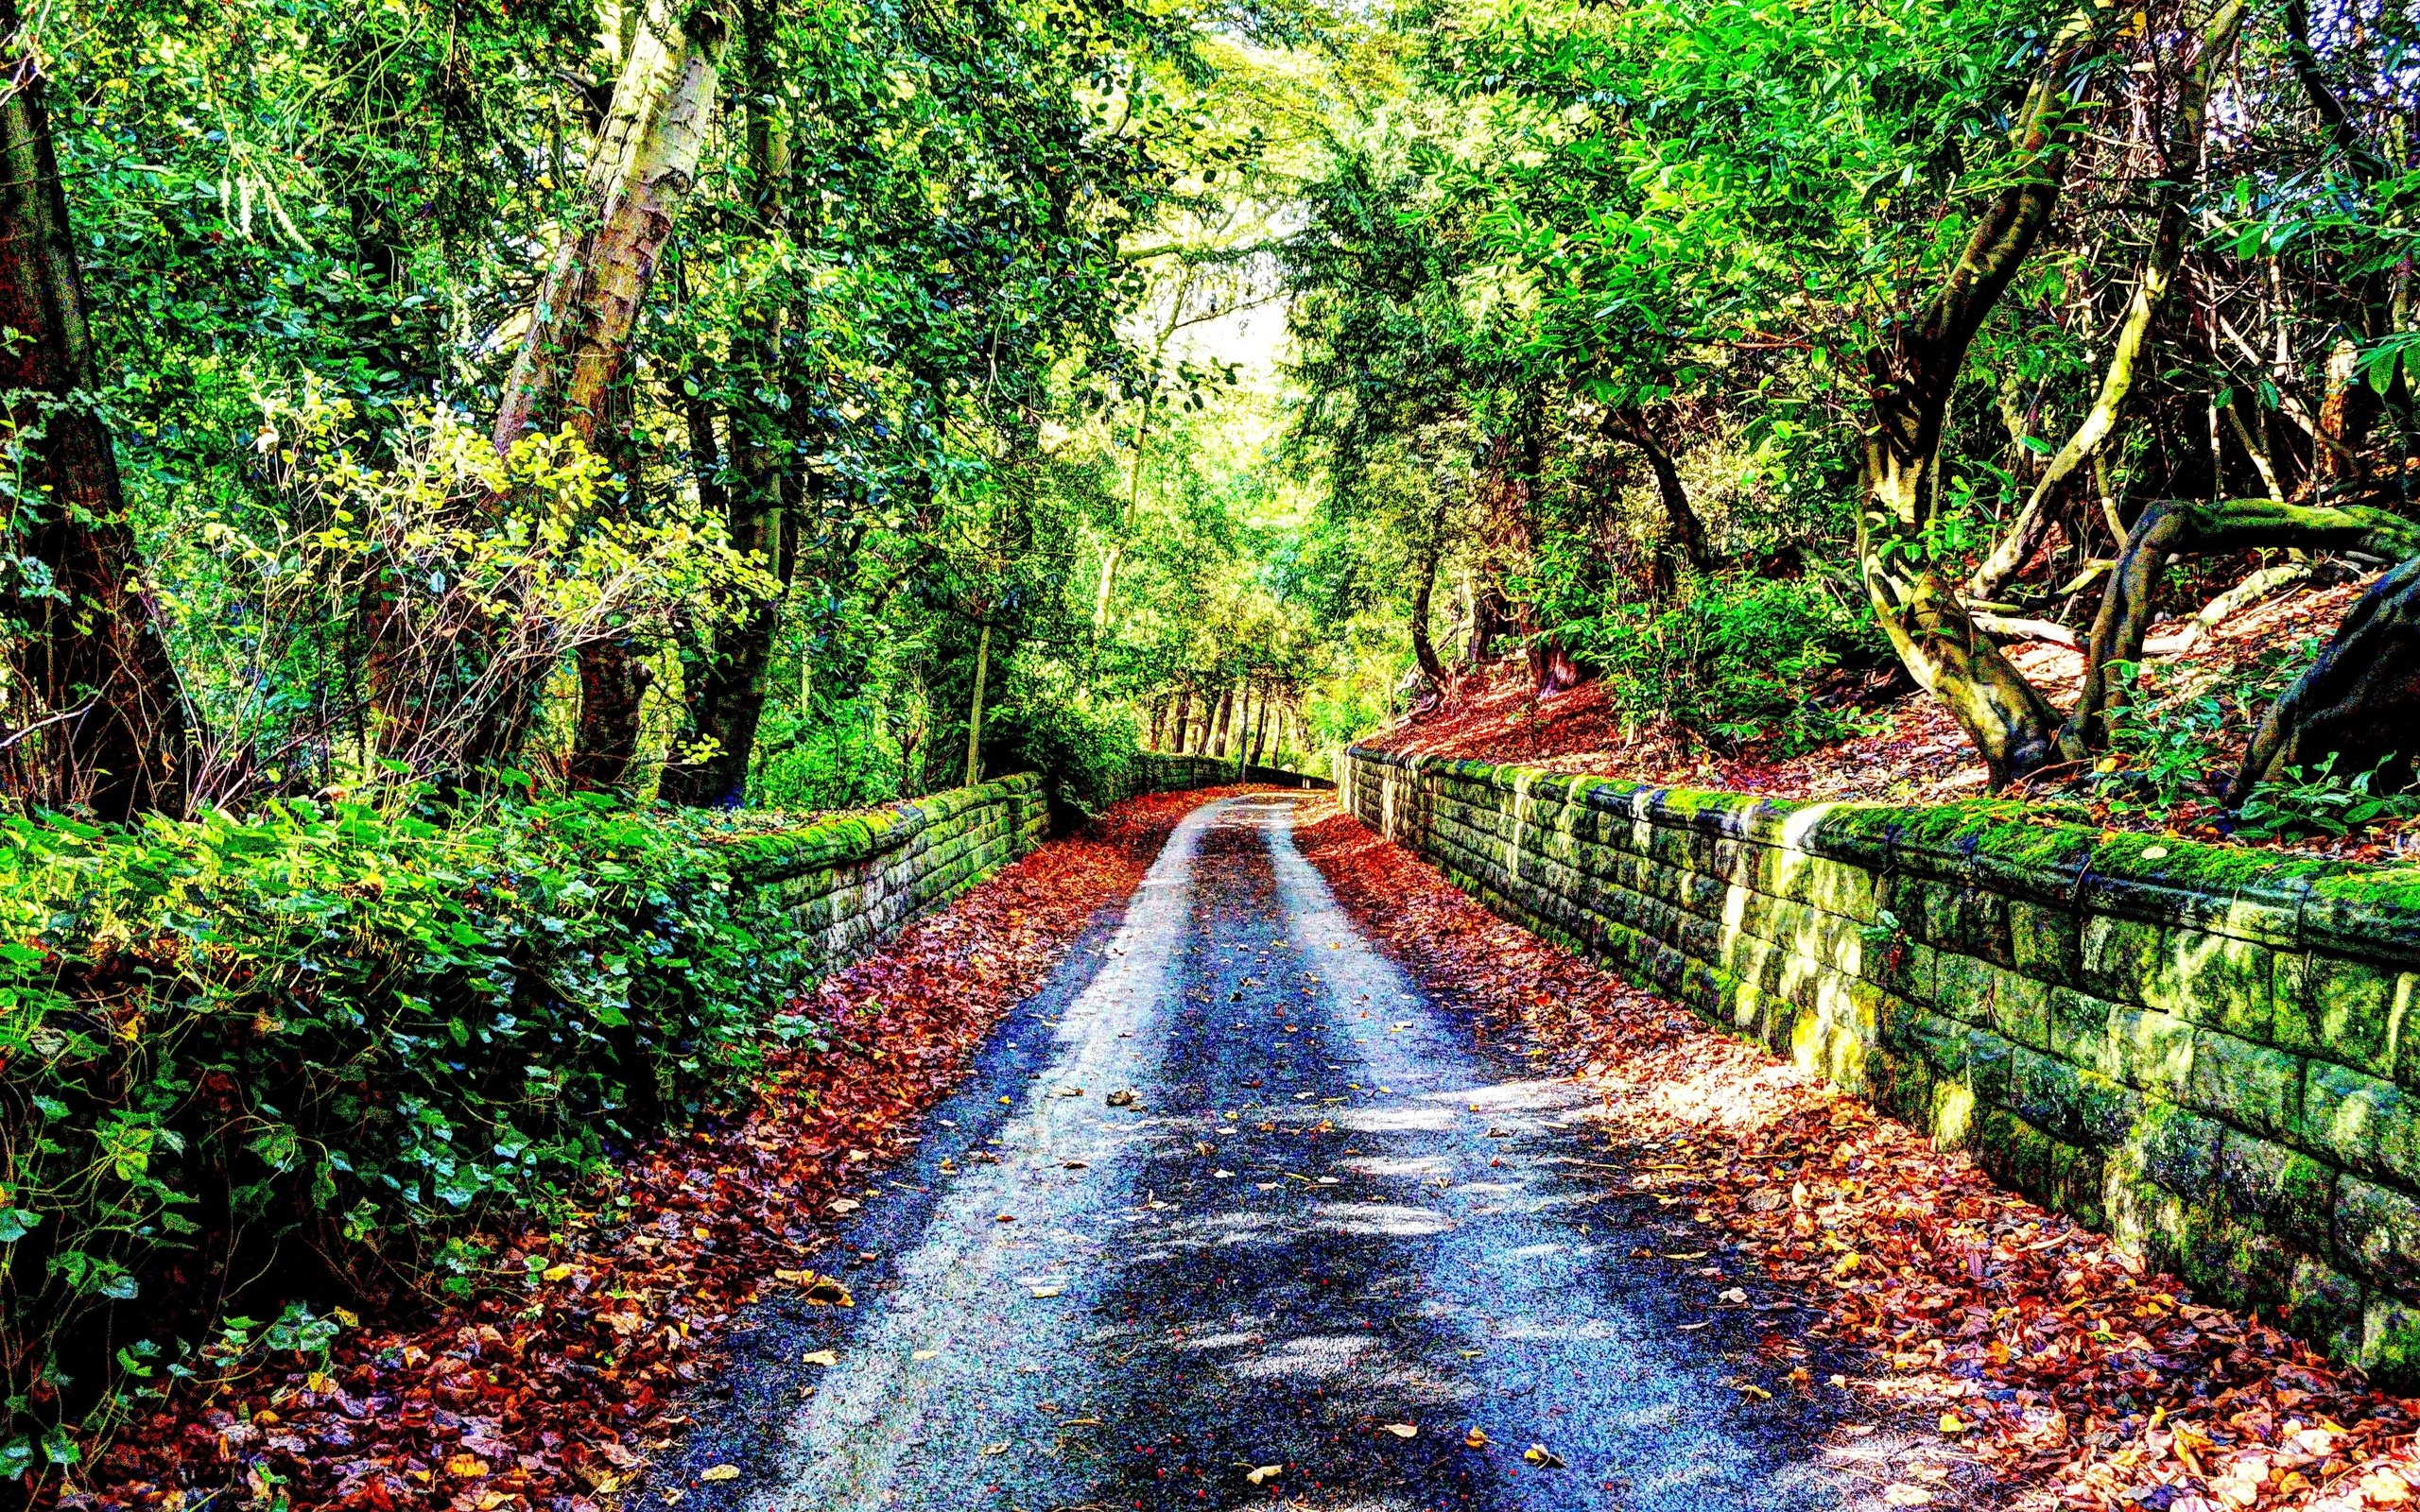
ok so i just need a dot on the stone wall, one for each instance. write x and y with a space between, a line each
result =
2210 1052
856 879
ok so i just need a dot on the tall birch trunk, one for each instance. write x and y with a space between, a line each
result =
573 367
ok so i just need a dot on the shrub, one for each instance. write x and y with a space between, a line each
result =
1734 658
324 1042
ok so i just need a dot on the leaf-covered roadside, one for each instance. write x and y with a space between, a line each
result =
2059 1375
561 1379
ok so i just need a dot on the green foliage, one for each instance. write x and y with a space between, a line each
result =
2161 747
1737 658
2305 804
324 1032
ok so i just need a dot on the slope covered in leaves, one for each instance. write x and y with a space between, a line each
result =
558 1380
2055 1372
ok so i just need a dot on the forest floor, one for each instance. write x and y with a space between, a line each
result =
2059 1375
1914 753
562 1376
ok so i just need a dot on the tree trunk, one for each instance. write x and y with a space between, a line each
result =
1260 732
2183 154
1213 736
1684 532
2355 702
1424 590
975 708
1912 372
1243 730
94 713
572 369
728 702
2191 528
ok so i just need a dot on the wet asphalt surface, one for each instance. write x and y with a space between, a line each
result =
1325 1214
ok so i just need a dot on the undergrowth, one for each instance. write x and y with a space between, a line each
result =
303 1053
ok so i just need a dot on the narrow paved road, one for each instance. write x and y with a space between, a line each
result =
1234 1193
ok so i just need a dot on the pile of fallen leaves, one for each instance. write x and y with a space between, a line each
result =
2057 1374
558 1382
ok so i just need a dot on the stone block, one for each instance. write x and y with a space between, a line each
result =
2176 1148
2325 1306
2080 1028
2353 1118
2046 942
2376 1234
2121 956
1962 987
2247 1085
1897 962
2391 1342
2070 1102
2352 1012
2077 1177
2014 1152
2215 980
2278 1190
2021 1008
2152 1051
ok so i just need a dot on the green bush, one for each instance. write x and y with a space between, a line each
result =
319 1046
1733 659
1044 724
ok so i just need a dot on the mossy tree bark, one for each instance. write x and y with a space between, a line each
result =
2126 353
2192 528
1912 371
92 711
2357 701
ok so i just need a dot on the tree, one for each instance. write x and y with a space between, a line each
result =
572 369
94 711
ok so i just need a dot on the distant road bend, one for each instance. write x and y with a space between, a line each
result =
1236 1215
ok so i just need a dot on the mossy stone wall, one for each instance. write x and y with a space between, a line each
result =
854 881
2210 1052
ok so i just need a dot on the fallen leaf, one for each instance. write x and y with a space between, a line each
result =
1952 1423
1476 1439
924 1354
823 1357
719 1472
465 1467
1263 1474
1123 1097
1545 1458
1899 1493
1401 1430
